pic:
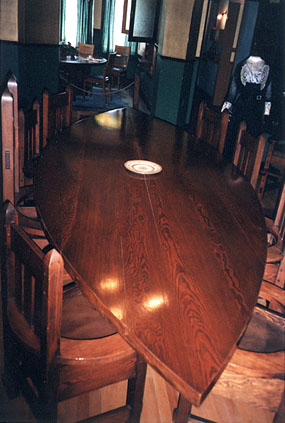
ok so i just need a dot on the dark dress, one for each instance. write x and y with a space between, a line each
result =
247 93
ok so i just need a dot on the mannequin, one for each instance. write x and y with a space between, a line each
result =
248 97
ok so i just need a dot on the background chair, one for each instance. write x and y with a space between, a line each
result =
10 164
212 126
29 143
274 166
57 112
85 50
276 233
46 330
121 62
101 80
248 154
20 149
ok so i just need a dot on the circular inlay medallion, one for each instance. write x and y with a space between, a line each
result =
144 167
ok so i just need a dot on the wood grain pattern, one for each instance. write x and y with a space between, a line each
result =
175 260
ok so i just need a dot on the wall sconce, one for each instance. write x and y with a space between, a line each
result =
222 16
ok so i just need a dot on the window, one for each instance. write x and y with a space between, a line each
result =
71 22
77 21
126 16
144 20
119 35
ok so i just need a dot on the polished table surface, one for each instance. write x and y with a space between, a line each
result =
174 260
83 61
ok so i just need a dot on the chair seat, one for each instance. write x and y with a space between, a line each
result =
263 334
92 78
119 69
80 320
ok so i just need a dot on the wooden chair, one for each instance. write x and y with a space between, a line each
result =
20 142
255 373
29 143
273 285
20 152
56 345
212 126
248 154
274 165
10 148
20 148
57 111
121 62
276 233
85 50
101 80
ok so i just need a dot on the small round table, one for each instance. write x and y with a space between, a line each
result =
76 70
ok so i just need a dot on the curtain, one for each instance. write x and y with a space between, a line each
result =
108 26
132 44
108 29
84 21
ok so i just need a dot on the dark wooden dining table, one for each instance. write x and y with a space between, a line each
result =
174 259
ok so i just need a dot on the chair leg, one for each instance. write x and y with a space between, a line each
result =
280 415
48 395
104 92
84 90
136 391
182 412
10 376
110 91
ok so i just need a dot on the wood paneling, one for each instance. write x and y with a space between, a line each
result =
30 21
177 18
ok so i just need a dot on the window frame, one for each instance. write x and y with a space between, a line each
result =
124 21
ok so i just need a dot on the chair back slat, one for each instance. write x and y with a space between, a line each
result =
8 151
85 50
35 287
279 221
274 164
20 142
28 275
29 141
248 154
57 110
110 64
280 215
122 56
12 86
212 126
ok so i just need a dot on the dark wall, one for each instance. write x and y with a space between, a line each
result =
269 39
35 67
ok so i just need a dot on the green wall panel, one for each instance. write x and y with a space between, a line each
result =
35 67
169 78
